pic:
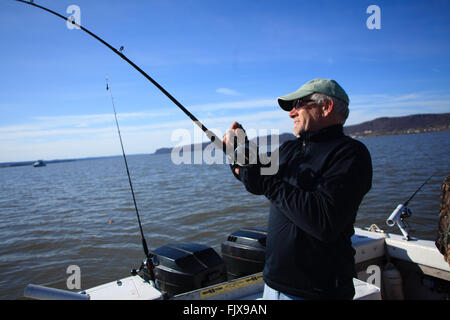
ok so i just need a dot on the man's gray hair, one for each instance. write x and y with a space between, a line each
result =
341 107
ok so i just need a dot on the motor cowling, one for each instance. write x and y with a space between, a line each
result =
183 267
244 252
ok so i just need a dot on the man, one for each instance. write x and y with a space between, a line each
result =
322 178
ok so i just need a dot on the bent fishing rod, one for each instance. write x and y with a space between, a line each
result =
214 139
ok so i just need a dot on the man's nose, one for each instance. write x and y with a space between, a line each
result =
293 113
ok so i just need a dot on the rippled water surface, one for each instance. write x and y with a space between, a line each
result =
81 213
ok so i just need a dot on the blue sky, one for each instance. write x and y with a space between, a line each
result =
223 60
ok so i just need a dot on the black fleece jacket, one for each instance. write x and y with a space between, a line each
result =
322 179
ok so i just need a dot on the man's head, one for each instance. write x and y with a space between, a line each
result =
317 104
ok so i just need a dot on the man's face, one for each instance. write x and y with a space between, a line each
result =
307 116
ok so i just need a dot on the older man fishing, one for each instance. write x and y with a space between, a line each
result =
322 178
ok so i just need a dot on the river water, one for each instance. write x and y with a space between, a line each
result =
81 213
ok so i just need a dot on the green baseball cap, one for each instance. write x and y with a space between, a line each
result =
325 86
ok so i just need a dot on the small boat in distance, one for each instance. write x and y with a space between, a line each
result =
39 163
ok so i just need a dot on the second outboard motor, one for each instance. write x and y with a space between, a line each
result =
244 252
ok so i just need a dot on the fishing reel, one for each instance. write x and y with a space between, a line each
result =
406 213
147 269
246 154
398 217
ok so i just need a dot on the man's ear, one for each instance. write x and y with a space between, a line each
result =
327 107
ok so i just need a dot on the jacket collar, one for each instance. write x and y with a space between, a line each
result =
326 133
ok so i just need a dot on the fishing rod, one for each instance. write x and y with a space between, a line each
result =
148 255
402 211
214 139
412 196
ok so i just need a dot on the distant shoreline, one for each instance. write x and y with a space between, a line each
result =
369 133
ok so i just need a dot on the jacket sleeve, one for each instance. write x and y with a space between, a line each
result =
232 167
326 209
251 176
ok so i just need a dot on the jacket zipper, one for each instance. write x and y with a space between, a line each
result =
300 152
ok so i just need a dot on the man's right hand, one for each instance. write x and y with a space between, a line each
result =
235 135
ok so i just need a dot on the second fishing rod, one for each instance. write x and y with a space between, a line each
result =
148 262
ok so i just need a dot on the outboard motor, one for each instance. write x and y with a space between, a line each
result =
244 252
183 267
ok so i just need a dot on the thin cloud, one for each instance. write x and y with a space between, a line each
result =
42 123
369 107
245 104
228 92
89 119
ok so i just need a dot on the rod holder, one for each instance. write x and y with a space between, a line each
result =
396 218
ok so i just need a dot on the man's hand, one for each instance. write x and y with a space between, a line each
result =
235 135
236 132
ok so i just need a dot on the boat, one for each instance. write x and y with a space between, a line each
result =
389 267
39 163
